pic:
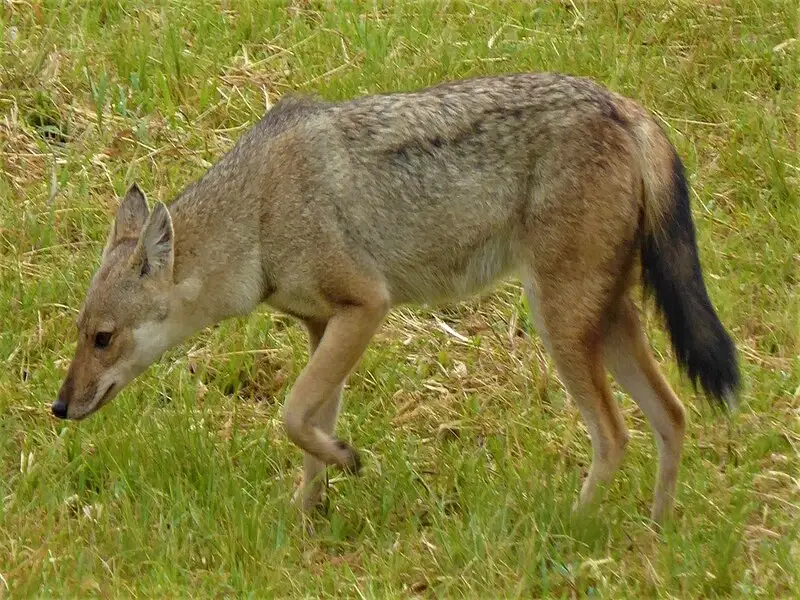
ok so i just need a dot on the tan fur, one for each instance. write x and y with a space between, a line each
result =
631 362
335 212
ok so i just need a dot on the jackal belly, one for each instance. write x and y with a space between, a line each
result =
457 272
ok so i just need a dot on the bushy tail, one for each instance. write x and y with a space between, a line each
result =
672 274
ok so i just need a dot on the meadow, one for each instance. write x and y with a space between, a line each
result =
473 453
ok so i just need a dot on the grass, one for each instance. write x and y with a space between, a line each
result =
181 486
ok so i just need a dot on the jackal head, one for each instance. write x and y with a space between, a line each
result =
125 322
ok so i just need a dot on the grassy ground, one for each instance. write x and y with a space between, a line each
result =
181 486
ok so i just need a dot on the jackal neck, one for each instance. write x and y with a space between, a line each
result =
217 266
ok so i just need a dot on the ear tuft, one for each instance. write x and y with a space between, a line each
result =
154 253
130 218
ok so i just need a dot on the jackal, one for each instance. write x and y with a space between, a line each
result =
333 212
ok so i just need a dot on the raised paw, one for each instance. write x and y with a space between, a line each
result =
351 461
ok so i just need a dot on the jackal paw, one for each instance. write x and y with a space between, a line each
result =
350 462
310 501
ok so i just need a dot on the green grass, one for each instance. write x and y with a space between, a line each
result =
181 486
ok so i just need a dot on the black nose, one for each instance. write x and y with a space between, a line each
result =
59 409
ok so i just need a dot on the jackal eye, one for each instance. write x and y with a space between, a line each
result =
102 339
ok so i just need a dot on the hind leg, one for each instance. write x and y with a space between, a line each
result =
570 329
577 246
628 357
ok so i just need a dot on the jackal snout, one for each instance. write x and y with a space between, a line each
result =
92 380
61 404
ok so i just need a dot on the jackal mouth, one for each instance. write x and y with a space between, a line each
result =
103 399
106 395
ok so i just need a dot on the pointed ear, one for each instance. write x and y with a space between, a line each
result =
130 219
154 253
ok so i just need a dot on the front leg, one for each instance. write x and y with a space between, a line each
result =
344 340
309 493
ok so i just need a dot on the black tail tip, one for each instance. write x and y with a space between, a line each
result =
716 370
